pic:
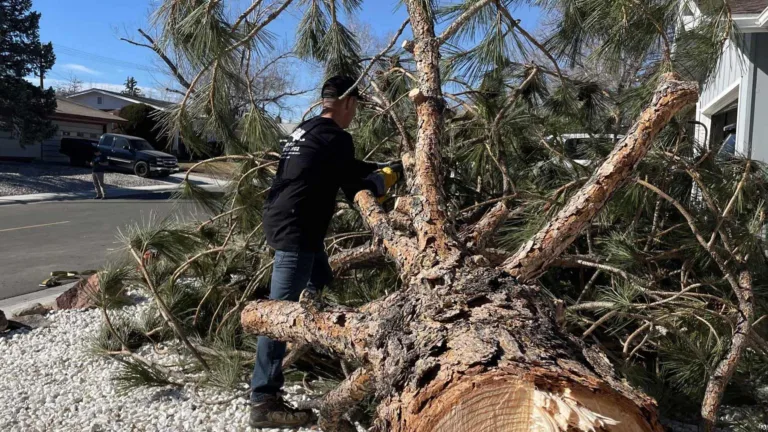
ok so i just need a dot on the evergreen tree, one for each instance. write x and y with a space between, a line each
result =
24 107
141 123
131 87
506 273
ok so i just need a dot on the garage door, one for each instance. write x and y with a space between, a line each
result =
52 145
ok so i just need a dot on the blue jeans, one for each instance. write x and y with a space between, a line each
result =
292 273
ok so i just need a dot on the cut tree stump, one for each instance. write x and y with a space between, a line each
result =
483 354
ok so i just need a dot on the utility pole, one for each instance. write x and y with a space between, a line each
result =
42 87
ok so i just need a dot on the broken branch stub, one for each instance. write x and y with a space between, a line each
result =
534 257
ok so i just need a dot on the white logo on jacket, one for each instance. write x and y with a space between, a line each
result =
292 148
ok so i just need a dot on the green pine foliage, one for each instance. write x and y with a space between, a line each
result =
24 107
637 282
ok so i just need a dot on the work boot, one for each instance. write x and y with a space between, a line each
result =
273 412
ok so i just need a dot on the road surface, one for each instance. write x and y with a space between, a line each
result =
38 238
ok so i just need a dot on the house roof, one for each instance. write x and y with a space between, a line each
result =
71 108
154 103
748 6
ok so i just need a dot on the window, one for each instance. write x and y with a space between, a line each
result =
120 143
99 100
81 134
93 135
141 145
66 133
729 144
107 142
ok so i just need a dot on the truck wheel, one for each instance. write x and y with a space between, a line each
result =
141 169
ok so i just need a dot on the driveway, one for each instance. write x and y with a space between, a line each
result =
36 239
34 178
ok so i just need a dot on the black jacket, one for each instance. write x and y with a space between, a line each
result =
99 163
317 160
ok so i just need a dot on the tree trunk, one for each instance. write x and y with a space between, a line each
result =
465 347
481 354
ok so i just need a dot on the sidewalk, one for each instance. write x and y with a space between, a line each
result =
45 297
208 184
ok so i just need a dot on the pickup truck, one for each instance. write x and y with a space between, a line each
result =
79 150
124 153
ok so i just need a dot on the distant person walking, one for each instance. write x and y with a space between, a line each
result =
98 163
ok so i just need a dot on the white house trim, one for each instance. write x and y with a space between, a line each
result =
725 98
762 19
752 23
115 95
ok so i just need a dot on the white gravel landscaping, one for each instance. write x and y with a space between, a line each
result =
50 381
32 178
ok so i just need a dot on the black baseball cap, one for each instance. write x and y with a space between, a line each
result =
336 86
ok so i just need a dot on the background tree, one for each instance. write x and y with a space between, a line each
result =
142 122
72 86
24 107
505 274
131 87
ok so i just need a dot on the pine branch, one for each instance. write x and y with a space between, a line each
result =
339 401
430 219
533 258
456 25
166 312
361 256
399 247
343 332
377 57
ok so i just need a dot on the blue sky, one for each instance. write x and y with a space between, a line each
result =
86 37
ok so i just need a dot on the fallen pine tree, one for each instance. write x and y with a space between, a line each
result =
469 327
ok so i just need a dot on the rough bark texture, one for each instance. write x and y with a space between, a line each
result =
465 347
400 247
337 403
533 258
482 354
480 233
727 366
353 258
428 210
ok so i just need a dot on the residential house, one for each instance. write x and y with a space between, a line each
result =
737 95
72 120
106 100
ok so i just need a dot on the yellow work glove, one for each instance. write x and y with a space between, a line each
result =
384 179
390 177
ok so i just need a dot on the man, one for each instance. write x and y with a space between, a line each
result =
317 160
98 163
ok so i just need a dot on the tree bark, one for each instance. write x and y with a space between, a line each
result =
727 366
482 354
463 346
428 210
533 258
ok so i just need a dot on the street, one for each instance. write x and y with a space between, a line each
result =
38 238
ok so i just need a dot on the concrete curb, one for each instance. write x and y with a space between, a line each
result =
208 184
46 297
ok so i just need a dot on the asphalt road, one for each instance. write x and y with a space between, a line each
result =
38 238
